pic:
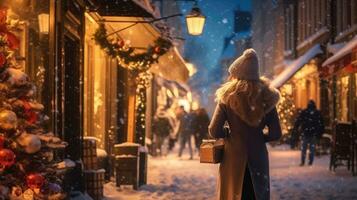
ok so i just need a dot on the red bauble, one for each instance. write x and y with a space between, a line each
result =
12 41
3 15
2 141
35 181
30 115
121 43
157 49
7 158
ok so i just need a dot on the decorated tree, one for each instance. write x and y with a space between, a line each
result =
286 109
28 167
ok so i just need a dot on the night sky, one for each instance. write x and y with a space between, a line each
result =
204 51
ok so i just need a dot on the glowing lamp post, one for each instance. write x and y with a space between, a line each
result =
195 21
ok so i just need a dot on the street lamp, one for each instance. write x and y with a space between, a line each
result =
195 21
43 22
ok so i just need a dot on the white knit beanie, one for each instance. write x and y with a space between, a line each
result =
246 67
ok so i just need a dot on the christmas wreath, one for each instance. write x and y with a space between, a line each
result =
136 62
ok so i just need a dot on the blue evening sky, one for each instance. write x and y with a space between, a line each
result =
205 50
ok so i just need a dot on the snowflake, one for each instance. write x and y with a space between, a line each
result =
224 20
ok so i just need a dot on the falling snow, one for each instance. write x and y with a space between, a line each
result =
184 179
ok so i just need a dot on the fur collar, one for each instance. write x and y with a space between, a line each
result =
252 104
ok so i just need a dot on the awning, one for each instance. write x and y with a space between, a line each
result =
295 66
345 58
334 48
177 89
128 8
170 66
281 66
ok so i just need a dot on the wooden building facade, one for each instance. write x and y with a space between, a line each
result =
314 31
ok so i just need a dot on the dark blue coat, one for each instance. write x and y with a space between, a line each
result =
310 122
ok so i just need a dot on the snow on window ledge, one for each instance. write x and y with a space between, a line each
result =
346 32
313 37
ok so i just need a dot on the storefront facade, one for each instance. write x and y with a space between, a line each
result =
306 72
86 92
306 86
340 71
307 32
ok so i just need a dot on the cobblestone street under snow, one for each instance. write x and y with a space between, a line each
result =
171 178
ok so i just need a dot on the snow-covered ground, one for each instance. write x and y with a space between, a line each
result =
171 178
290 181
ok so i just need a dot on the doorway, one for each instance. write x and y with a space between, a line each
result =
72 97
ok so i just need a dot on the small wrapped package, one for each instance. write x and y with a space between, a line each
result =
211 151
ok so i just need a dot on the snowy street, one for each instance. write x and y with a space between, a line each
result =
290 181
171 178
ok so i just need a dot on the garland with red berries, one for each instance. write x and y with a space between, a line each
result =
136 62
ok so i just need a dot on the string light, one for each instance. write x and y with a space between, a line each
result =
286 110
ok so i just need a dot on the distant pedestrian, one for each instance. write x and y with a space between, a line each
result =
161 128
185 131
310 124
201 123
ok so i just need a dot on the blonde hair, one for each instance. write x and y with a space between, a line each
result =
235 86
249 99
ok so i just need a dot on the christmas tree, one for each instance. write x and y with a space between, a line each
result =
28 167
286 109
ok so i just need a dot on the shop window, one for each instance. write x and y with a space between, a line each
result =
307 85
97 88
343 98
30 20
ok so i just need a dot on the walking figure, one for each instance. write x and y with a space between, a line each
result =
161 128
201 123
247 103
311 126
185 131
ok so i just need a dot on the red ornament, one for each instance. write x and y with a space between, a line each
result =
12 41
2 60
7 158
2 141
3 15
30 115
121 43
35 181
157 49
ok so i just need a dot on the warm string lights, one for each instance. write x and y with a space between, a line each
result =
286 110
137 63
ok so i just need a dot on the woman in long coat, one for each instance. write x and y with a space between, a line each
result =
247 104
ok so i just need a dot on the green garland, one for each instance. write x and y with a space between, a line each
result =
137 63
